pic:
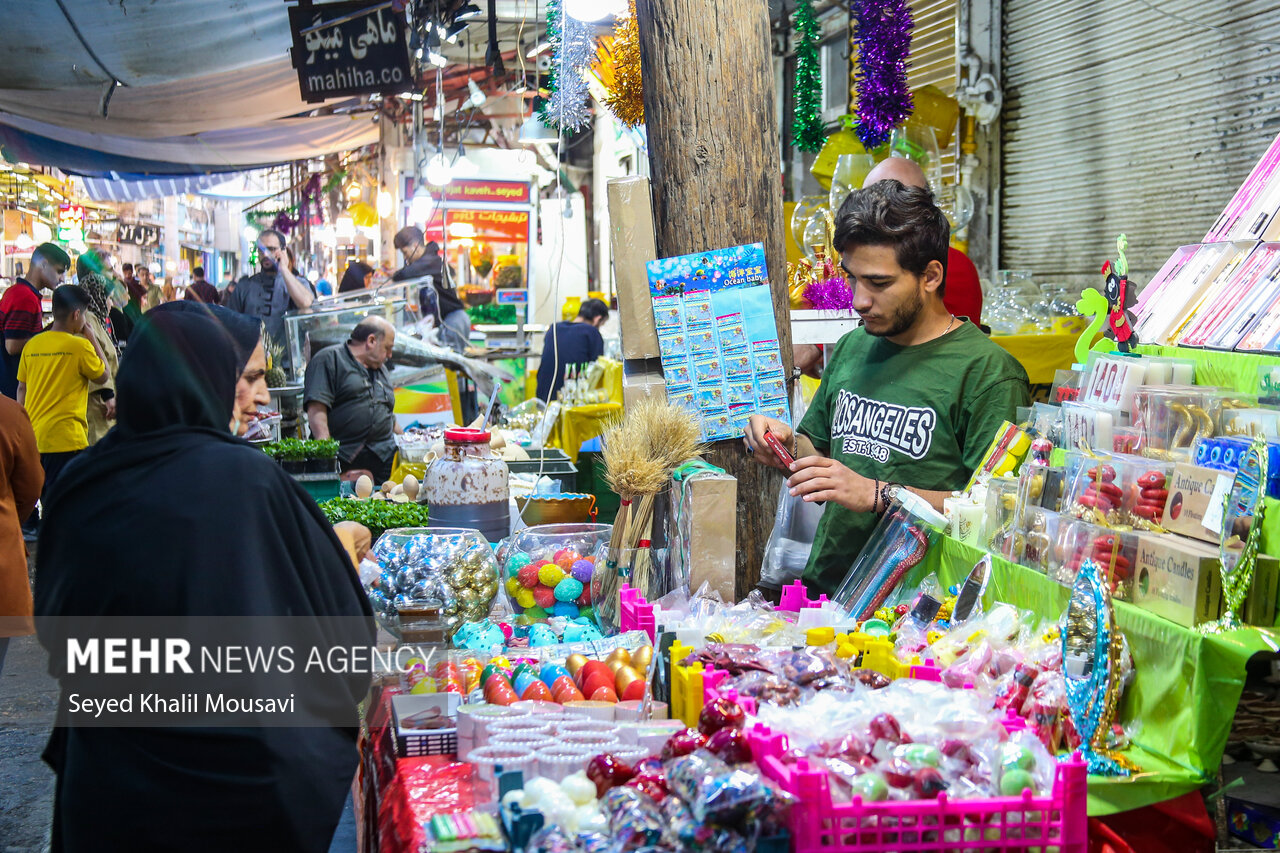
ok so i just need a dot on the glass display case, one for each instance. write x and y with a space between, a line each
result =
332 318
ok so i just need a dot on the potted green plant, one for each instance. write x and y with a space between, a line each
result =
322 455
293 455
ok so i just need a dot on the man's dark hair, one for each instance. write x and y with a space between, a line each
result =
198 272
890 214
127 268
407 236
284 243
52 253
68 298
366 327
590 309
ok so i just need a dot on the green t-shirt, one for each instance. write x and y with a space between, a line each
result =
921 416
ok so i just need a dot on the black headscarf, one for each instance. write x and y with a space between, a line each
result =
353 278
245 331
172 516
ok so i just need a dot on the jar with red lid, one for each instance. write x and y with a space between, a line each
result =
467 486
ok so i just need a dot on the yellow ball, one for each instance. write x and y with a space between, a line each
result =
513 587
550 575
524 598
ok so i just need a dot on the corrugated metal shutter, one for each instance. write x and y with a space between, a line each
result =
933 61
1119 118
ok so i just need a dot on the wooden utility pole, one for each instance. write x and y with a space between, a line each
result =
715 162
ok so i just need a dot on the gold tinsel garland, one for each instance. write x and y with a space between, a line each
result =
626 95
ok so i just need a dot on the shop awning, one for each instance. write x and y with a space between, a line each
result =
117 187
96 154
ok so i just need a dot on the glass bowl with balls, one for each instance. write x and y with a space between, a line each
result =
447 575
548 570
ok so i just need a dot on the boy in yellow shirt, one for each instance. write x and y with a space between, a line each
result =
53 382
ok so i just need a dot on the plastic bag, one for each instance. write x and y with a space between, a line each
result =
794 526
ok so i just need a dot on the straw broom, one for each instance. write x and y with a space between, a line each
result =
654 439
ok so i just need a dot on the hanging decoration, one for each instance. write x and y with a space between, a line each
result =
626 95
285 219
882 31
808 126
572 48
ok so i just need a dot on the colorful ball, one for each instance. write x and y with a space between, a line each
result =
513 586
569 590
566 562
581 570
587 613
516 562
525 598
562 554
550 575
507 629
544 597
565 608
528 577
536 612
584 600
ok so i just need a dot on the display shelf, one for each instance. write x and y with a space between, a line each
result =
810 326
1235 370
1185 688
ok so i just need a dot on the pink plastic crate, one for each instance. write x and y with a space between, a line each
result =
1026 824
635 613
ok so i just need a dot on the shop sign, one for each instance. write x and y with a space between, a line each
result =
342 49
71 223
513 297
487 192
506 225
139 235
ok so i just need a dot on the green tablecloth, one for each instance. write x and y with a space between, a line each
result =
1183 695
1235 370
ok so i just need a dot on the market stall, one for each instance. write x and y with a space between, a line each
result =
485 227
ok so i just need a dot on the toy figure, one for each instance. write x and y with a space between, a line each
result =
1119 297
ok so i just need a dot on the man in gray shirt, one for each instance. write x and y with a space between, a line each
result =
272 292
348 396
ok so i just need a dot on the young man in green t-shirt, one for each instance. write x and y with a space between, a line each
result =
909 400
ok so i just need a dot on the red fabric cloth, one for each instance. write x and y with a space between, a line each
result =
963 294
1180 825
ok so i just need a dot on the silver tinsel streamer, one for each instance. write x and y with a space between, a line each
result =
567 109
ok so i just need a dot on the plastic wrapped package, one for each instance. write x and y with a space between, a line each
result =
422 570
897 545
1170 418
1087 425
550 568
635 820
1117 489
1004 454
999 520
714 791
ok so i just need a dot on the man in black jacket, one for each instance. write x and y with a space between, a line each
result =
440 300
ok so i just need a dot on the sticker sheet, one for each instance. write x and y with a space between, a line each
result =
719 338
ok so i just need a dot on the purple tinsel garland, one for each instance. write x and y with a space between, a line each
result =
830 294
883 34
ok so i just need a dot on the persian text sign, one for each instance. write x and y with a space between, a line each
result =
342 49
488 192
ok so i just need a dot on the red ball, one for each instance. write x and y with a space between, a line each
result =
683 743
584 600
721 714
608 771
730 746
528 576
604 694
653 784
544 596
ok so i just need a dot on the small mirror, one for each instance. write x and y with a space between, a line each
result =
1090 661
971 591
1241 531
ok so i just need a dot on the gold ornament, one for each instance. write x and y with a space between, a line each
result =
626 95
